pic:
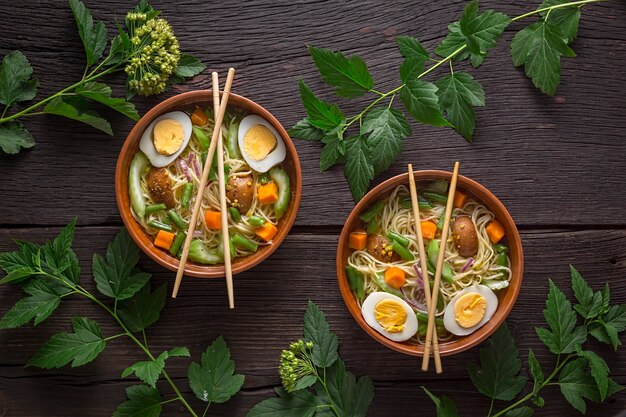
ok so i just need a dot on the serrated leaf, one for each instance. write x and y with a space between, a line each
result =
189 66
76 108
385 130
38 306
143 309
538 401
146 371
321 114
80 347
410 69
350 76
420 99
607 328
576 385
358 169
565 18
599 371
415 57
296 404
14 137
143 401
482 31
102 94
535 370
16 82
498 375
523 411
334 148
306 131
562 335
94 37
457 93
214 379
178 351
539 48
116 277
453 41
590 304
351 397
317 330
444 405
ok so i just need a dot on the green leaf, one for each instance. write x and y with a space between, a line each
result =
420 99
535 370
80 347
102 94
14 137
39 306
214 379
16 82
565 18
577 385
445 406
590 304
350 76
189 66
297 404
523 411
599 371
94 37
482 31
562 335
334 148
143 401
458 93
147 371
385 130
116 277
539 48
321 114
453 41
415 57
498 376
350 397
306 131
411 69
143 309
76 108
358 168
607 328
178 351
317 330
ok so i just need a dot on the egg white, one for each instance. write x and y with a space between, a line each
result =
492 305
147 145
275 157
410 326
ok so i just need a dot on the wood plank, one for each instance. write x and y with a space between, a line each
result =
256 332
541 156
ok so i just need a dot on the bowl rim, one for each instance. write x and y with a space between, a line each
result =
139 237
489 200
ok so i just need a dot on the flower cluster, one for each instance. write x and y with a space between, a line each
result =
155 54
295 364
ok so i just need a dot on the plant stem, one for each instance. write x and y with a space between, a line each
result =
206 408
323 382
557 6
115 336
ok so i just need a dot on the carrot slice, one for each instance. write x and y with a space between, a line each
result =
164 239
460 198
266 232
213 219
495 231
358 240
268 193
429 229
394 277
199 117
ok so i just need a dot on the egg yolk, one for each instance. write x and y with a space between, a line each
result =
167 136
391 315
258 142
469 309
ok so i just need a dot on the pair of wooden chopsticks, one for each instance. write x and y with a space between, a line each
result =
216 142
431 299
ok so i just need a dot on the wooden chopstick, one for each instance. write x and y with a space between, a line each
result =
424 266
430 329
219 118
222 192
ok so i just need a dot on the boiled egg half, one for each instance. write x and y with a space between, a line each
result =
390 316
166 137
469 310
260 144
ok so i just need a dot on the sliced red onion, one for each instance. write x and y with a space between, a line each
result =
420 278
196 167
190 158
185 168
411 302
197 233
469 263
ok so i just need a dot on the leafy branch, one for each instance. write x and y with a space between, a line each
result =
449 101
147 51
50 272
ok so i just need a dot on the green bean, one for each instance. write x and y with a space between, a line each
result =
244 243
176 219
231 141
178 241
155 208
422 325
202 137
422 203
373 226
402 251
256 221
501 248
234 214
403 240
369 215
187 189
204 155
440 222
356 281
433 254
161 226
434 197
264 178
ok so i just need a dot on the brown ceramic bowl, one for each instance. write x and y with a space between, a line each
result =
188 101
506 297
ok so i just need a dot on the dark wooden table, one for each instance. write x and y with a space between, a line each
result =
557 163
